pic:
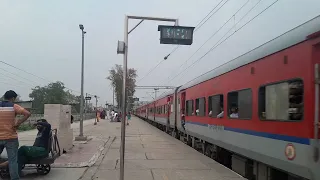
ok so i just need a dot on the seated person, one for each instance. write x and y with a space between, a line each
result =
220 115
197 112
39 148
234 112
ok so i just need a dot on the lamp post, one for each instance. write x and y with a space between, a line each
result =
81 137
96 119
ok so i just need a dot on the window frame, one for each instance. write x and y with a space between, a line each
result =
279 82
211 106
193 108
228 115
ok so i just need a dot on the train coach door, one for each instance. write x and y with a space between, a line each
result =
316 146
154 111
183 103
183 110
168 106
167 112
316 57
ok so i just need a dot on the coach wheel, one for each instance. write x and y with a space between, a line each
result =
43 169
207 151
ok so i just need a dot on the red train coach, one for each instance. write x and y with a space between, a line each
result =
262 108
259 113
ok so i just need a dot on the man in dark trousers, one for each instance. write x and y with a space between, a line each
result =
40 146
8 127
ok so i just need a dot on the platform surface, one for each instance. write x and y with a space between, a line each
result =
154 155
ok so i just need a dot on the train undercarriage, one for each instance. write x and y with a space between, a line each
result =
248 168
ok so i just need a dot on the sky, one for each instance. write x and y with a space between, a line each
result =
43 38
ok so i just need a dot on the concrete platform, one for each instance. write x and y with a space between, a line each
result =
153 155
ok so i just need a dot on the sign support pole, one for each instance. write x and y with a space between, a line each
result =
124 98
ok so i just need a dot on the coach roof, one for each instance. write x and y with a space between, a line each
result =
286 40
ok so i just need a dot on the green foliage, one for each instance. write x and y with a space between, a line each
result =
116 76
25 127
53 93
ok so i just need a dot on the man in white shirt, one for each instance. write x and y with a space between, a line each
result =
234 112
115 115
220 115
112 114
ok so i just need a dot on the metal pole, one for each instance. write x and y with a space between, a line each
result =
123 121
124 102
82 82
155 93
95 121
113 96
86 107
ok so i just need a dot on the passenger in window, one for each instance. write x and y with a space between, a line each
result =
183 118
234 112
197 112
220 115
210 113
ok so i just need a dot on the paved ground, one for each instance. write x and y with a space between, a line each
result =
154 155
150 155
82 155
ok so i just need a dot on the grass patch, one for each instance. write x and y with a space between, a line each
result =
25 127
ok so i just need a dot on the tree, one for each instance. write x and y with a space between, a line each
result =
116 77
53 93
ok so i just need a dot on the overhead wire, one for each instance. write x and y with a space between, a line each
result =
198 26
16 79
15 67
18 75
212 36
10 84
219 43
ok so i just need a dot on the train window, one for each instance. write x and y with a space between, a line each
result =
281 101
189 108
201 107
216 106
240 104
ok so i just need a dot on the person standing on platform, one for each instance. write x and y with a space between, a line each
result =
97 114
128 117
8 127
112 115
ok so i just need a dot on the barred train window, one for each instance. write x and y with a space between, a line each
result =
240 104
189 108
216 106
201 107
282 101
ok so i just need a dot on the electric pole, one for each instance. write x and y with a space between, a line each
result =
95 121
